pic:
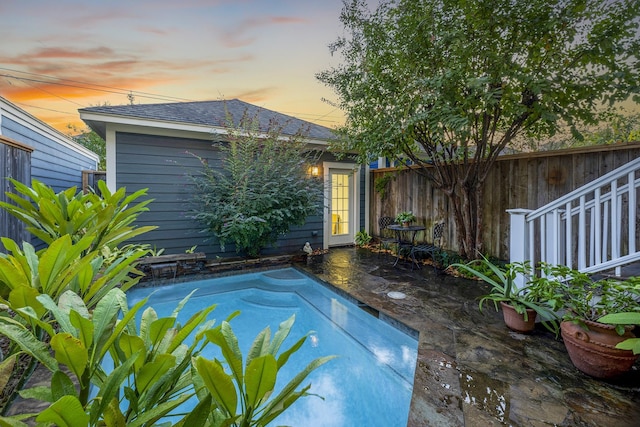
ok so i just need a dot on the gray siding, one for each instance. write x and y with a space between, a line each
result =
160 164
52 163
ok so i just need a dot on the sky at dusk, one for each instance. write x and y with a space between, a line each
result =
58 56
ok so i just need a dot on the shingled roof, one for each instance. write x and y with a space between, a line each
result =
208 113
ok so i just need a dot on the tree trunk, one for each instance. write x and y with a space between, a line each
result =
467 208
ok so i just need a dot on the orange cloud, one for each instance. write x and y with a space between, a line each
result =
238 36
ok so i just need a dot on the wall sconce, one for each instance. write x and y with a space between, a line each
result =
314 170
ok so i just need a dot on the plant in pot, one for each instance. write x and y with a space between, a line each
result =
520 306
624 319
405 218
593 346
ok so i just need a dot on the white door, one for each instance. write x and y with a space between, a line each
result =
340 215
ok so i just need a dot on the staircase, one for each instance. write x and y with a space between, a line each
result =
592 229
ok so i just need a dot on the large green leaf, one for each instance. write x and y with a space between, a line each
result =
104 317
223 337
84 327
25 296
29 343
151 416
70 351
65 412
631 318
289 390
130 345
6 367
39 392
62 385
184 332
151 372
282 333
111 388
260 379
158 329
219 384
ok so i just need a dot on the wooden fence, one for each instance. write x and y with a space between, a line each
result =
516 181
15 162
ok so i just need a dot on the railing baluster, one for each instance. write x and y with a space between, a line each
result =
600 246
631 198
597 213
568 243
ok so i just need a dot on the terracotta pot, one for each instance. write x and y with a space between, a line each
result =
593 351
405 224
515 321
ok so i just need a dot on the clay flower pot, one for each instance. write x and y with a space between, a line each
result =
515 321
593 351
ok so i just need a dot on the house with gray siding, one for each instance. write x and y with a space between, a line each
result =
152 145
56 159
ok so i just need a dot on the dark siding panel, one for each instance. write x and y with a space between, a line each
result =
160 164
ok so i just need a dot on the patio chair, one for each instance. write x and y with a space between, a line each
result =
386 236
431 249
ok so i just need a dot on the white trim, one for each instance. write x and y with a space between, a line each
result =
112 167
25 119
367 189
355 168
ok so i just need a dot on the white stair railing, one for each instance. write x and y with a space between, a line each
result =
591 229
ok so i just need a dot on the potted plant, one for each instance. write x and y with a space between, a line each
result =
405 218
520 306
591 344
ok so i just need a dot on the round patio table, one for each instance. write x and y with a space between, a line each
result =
405 237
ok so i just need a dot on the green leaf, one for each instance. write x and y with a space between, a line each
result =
630 344
61 385
110 388
260 379
158 329
199 415
631 318
30 344
65 412
70 351
152 415
6 367
224 338
130 345
84 327
113 416
219 384
151 372
42 393
25 296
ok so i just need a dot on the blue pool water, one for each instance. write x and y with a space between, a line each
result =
369 384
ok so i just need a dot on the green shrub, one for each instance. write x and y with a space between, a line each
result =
261 189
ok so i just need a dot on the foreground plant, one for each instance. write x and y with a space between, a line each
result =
150 372
242 396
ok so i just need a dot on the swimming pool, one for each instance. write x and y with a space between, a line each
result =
371 381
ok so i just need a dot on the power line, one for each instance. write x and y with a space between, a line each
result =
42 78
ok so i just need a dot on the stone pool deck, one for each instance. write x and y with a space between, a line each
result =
471 370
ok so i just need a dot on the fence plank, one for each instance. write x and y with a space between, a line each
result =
517 181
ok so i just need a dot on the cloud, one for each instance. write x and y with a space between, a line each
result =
242 35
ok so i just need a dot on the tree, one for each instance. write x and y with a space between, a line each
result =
449 84
260 189
91 140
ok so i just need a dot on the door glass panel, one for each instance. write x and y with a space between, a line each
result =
339 204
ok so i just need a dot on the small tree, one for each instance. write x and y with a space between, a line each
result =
261 188
450 83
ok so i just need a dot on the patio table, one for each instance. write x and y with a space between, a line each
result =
405 238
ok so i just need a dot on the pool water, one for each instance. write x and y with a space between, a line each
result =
369 383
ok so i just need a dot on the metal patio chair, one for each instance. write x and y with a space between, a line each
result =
386 236
430 249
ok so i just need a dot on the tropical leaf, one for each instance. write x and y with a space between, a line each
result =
220 385
65 412
70 351
260 379
29 343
